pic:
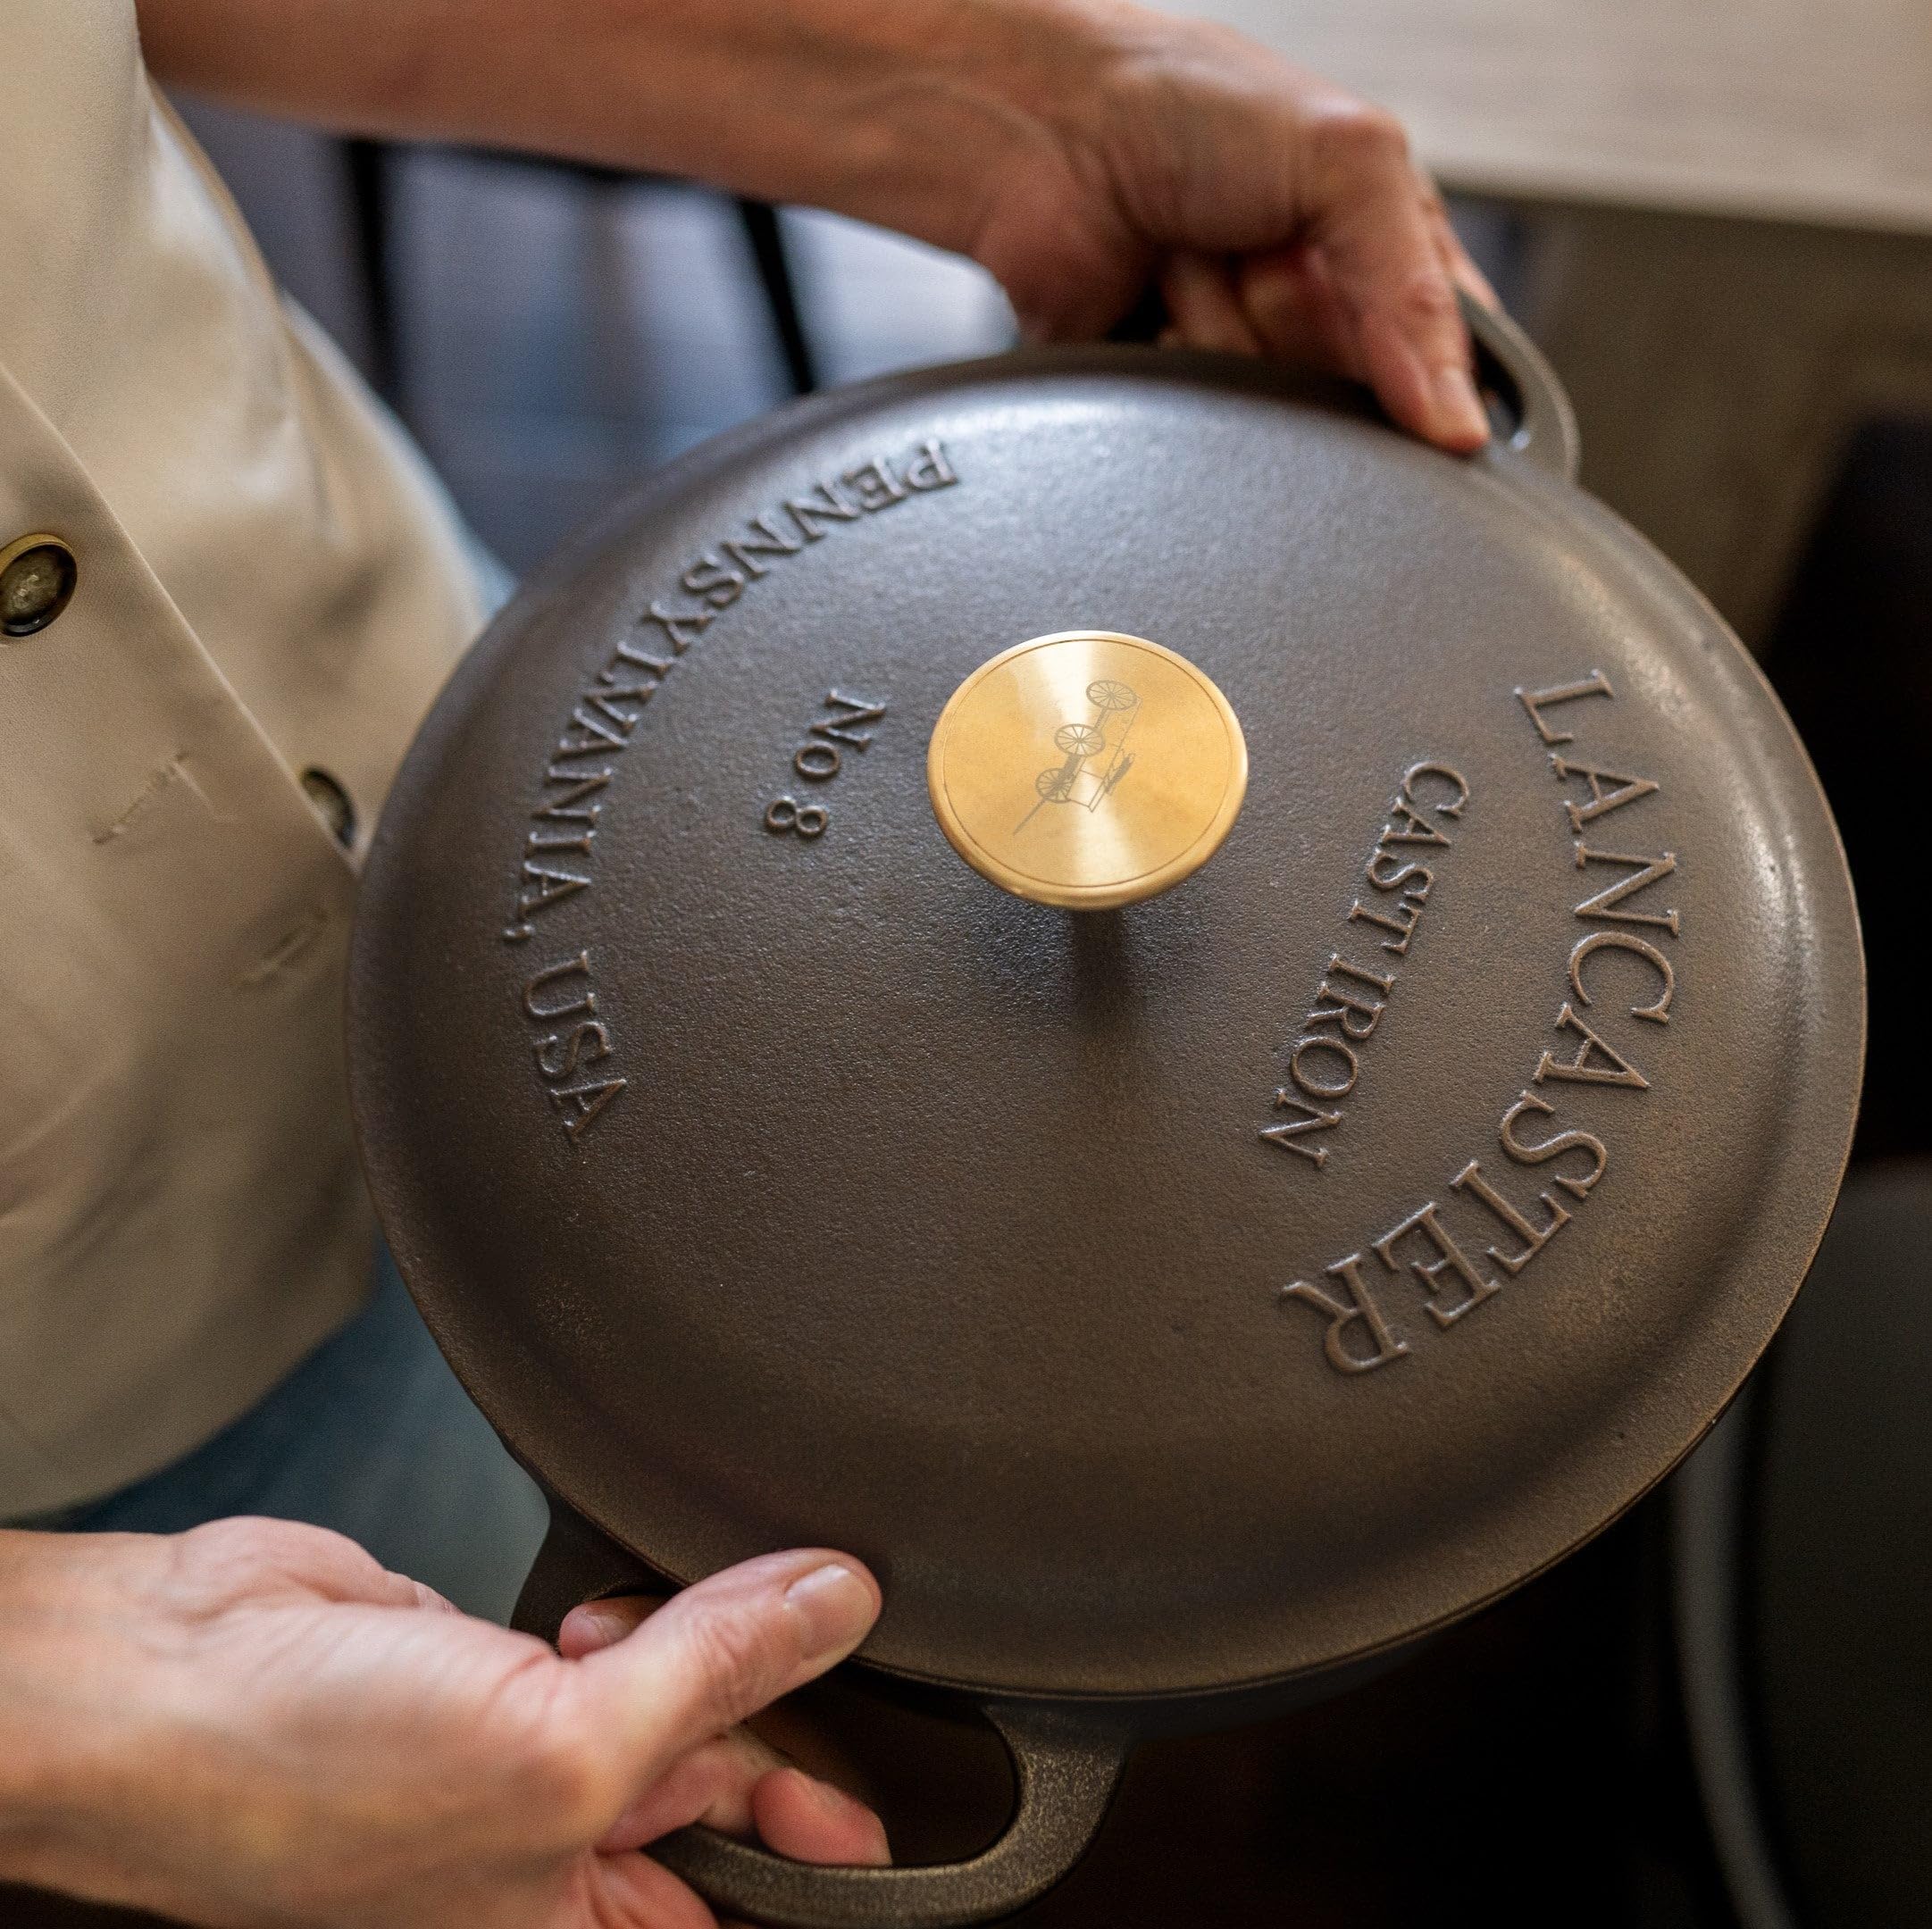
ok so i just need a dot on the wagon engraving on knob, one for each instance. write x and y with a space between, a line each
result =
1093 751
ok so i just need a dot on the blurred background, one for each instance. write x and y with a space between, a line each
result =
1717 220
550 333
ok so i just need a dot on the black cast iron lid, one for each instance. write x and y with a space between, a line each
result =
771 1177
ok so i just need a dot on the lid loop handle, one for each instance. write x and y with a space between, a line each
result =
1511 369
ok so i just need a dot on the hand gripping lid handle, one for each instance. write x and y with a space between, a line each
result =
1509 367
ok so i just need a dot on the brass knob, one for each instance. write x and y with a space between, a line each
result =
1087 769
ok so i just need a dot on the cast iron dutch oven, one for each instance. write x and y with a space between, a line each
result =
1175 1295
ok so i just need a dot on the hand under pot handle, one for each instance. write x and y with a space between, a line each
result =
1066 1764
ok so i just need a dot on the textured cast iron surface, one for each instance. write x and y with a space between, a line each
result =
942 1227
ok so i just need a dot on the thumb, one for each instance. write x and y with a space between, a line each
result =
723 1649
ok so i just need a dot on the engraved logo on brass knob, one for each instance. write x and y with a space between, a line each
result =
1096 752
1147 772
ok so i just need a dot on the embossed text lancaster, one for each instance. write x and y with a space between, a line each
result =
1364 1329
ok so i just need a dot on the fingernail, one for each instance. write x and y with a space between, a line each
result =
609 1625
1459 404
835 1605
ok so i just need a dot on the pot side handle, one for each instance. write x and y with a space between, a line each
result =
1066 1769
1066 1764
1511 368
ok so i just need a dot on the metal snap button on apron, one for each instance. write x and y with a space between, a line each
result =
332 803
38 575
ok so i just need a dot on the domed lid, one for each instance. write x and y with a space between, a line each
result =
1165 1297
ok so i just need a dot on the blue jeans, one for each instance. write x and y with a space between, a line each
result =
373 1436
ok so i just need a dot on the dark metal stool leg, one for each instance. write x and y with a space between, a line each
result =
762 230
367 165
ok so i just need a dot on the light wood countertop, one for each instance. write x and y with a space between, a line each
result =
1805 110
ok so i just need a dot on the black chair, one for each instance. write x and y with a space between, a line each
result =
368 166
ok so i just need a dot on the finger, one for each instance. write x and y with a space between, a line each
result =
712 1784
1203 311
798 1813
1470 279
1291 305
424 1596
803 1740
723 1649
1085 286
811 1821
254 1557
600 1623
741 1787
632 1892
1375 233
1456 258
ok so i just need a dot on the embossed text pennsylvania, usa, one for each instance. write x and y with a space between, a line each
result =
578 1062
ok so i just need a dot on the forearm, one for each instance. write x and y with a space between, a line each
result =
878 108
1077 149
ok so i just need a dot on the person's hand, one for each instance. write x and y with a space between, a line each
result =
1278 214
255 1723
